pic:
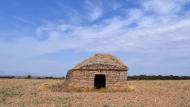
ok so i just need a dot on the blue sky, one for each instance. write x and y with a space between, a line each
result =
48 37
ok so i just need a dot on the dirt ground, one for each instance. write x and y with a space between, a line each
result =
35 93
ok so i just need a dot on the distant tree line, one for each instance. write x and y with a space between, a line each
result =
135 77
9 77
158 77
31 77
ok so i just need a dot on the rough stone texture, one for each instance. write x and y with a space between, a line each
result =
83 74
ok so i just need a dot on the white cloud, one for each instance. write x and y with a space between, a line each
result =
135 13
94 11
164 7
159 6
162 34
23 20
112 36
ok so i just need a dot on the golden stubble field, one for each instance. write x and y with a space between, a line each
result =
35 93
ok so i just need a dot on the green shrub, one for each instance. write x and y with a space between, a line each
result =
106 105
9 92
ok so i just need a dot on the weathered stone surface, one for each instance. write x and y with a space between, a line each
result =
83 75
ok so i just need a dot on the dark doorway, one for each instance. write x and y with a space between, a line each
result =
99 81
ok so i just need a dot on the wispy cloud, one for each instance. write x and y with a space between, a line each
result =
94 10
23 20
159 33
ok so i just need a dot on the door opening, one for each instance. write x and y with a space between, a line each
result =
100 81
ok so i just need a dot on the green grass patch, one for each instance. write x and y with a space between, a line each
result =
106 105
7 93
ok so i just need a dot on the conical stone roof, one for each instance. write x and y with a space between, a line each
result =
102 59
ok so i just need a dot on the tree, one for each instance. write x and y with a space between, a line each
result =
28 77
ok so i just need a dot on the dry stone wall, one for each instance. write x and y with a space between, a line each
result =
85 78
84 74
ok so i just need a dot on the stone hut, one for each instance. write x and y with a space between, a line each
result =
98 71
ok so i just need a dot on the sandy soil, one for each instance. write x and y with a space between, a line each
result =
35 93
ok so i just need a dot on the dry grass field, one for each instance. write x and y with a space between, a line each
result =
36 93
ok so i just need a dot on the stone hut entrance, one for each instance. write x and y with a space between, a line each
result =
99 81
